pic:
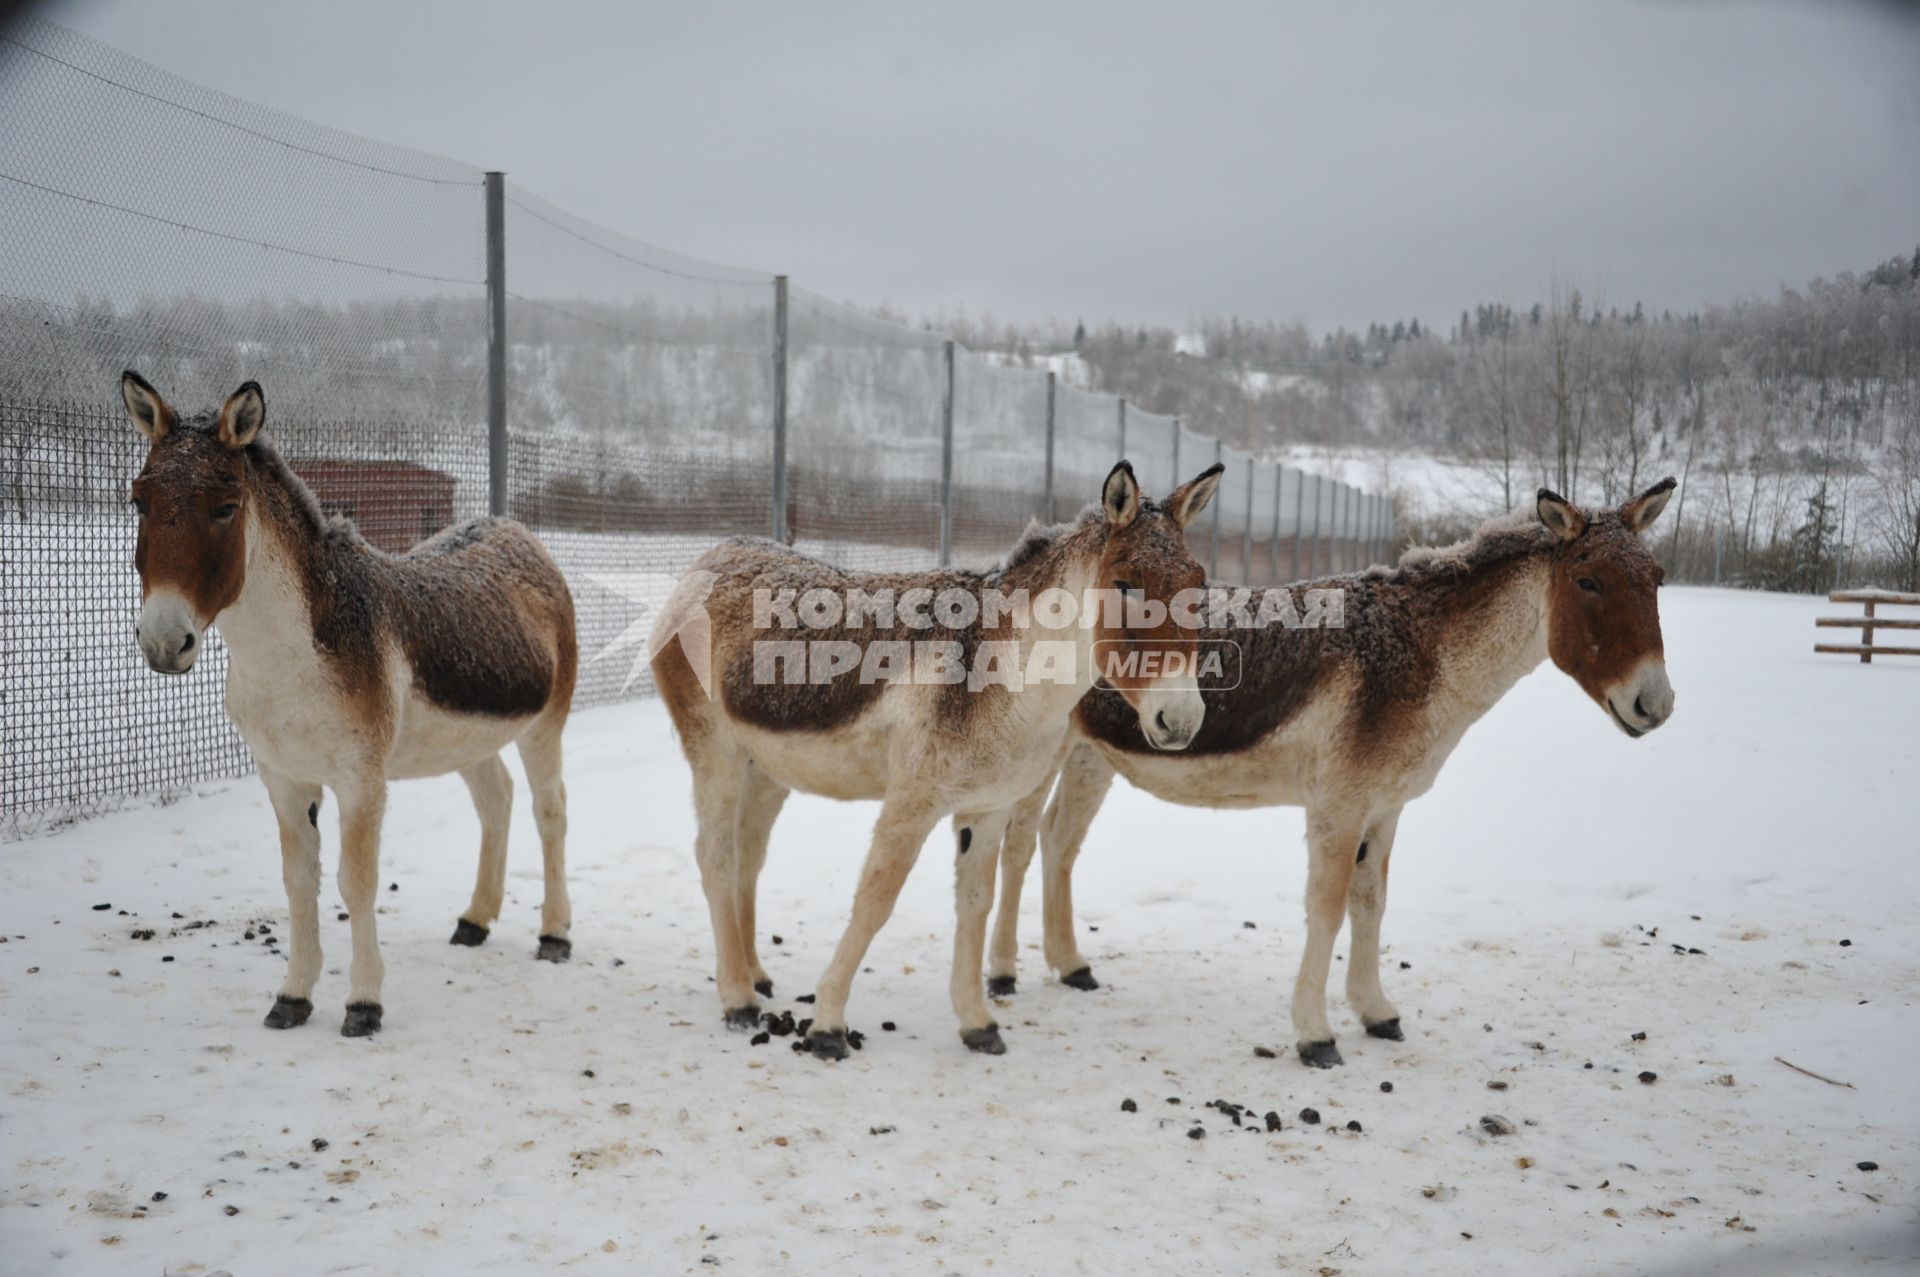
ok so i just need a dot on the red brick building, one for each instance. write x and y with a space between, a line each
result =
395 504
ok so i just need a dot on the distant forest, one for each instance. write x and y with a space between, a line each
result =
1793 422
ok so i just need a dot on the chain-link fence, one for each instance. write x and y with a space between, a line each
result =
637 406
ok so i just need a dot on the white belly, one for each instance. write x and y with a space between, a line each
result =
430 741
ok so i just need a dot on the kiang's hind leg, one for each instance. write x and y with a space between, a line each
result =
759 807
1366 907
720 769
492 791
541 755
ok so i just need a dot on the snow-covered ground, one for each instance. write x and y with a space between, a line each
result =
1562 891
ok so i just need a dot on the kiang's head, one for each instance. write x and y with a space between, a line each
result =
191 499
1603 609
1140 650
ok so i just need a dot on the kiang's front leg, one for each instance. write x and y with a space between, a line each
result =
1333 841
976 853
905 822
296 808
1017 846
363 806
1084 782
1366 907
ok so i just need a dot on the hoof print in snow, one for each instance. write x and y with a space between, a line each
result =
1320 1055
1000 986
1266 1053
1128 1106
743 1019
828 1046
1494 1124
985 1041
1387 1029
1310 1117
468 934
288 1013
554 949
1081 979
363 1020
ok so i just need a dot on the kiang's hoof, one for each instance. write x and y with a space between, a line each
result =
743 1019
1000 986
1388 1029
363 1020
469 934
984 1041
828 1046
1081 979
1320 1055
288 1013
763 986
554 949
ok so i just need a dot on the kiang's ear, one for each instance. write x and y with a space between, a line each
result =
1186 502
151 415
1562 517
1120 497
1640 512
242 416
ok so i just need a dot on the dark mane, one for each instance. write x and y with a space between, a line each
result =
302 503
1039 538
1503 537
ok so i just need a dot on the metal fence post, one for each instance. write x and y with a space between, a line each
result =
780 409
1313 546
1213 533
1246 529
946 466
1176 452
1122 455
1052 389
496 202
1349 529
1273 544
1344 529
1299 523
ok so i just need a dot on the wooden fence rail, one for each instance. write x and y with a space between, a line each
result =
1865 649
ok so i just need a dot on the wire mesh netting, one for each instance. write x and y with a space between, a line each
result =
1230 522
1263 541
866 405
1150 449
640 391
999 456
152 220
159 225
1086 447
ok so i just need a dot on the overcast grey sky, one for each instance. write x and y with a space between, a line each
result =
1332 163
